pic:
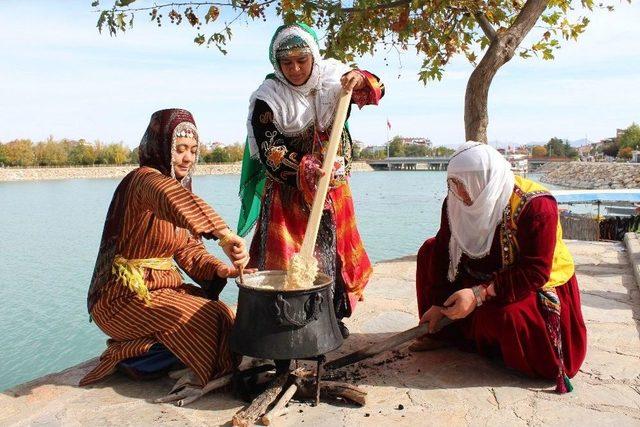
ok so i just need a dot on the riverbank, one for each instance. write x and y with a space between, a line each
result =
112 172
445 386
591 175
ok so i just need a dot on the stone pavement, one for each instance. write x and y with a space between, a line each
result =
434 388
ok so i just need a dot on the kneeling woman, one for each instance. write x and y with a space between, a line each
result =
498 266
137 295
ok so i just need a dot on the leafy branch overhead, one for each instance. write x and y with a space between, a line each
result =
435 29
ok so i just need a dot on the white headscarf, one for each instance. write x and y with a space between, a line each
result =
488 179
297 107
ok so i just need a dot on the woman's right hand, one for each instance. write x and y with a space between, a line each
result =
432 317
235 249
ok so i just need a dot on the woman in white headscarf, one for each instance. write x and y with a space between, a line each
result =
499 267
290 117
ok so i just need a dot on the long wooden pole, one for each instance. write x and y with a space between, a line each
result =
384 345
311 233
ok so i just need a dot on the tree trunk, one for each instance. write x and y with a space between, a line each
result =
502 48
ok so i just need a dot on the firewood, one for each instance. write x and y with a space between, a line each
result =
247 416
335 390
332 390
278 409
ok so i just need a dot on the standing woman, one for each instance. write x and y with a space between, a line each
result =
499 267
290 117
137 295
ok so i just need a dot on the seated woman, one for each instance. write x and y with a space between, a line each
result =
498 266
290 118
137 295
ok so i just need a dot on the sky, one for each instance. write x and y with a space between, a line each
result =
59 76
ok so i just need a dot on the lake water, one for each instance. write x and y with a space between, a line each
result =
50 236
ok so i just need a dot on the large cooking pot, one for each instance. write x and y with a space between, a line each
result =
273 323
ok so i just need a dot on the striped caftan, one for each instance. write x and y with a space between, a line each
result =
160 219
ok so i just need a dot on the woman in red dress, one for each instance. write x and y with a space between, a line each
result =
499 268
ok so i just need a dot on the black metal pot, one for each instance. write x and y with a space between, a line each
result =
279 324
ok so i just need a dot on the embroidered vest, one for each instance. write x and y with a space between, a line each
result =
524 191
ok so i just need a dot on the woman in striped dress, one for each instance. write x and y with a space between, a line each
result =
137 295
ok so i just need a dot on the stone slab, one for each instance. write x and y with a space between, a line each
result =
442 387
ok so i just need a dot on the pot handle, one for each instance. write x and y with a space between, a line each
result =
282 308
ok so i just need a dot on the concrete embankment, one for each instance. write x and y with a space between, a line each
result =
105 172
441 387
591 175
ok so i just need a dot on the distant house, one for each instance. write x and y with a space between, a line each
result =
586 150
416 141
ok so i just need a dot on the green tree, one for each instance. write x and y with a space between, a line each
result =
203 153
134 157
396 147
437 31
218 155
555 147
443 151
630 137
235 152
3 156
82 154
51 153
19 153
538 151
116 154
369 153
415 150
611 149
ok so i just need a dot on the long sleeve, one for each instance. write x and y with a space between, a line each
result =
372 92
433 286
170 201
536 236
195 260
280 162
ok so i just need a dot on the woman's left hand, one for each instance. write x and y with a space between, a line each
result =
460 304
352 80
226 271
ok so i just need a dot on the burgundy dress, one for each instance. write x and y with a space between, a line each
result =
510 325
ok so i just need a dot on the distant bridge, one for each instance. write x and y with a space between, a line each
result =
441 163
411 163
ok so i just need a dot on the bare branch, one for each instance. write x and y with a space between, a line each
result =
190 4
486 26
160 6
378 7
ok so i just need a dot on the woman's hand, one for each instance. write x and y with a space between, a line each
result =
432 317
226 271
460 304
235 249
310 172
352 80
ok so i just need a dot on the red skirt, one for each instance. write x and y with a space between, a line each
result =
286 222
517 331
